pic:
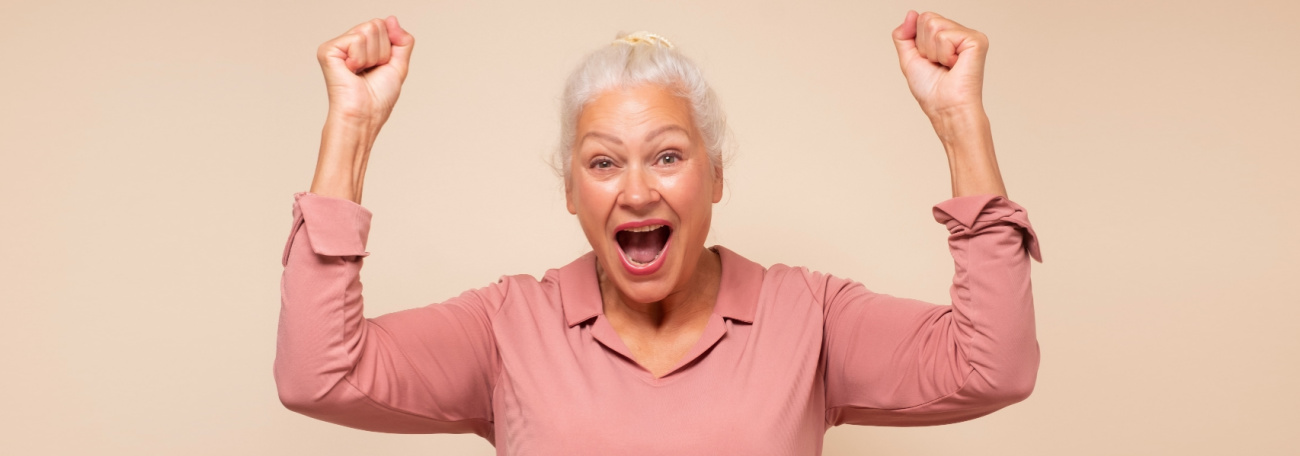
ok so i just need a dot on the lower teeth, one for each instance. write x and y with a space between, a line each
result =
638 263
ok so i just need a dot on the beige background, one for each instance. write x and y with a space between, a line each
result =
150 151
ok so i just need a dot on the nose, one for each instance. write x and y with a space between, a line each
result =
640 190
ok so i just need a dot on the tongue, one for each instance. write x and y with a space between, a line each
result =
643 247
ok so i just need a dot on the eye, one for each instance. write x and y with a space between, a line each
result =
669 158
602 163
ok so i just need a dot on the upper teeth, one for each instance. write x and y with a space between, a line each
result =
642 229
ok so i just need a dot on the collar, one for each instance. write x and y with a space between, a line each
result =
737 292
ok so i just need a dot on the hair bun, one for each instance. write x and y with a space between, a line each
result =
644 37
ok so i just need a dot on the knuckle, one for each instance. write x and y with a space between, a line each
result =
324 50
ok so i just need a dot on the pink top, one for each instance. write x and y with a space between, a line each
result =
534 367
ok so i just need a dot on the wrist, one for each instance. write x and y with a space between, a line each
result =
351 123
961 127
344 152
968 141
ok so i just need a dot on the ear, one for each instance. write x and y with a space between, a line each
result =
717 184
568 197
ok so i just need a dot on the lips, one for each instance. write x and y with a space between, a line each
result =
642 244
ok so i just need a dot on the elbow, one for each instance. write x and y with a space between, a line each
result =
298 394
998 393
1012 387
296 398
295 401
1016 390
1015 380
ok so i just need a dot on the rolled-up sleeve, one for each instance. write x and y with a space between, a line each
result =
339 227
423 370
902 362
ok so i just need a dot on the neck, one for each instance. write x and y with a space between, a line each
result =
684 306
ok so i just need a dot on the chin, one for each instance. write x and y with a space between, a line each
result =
644 292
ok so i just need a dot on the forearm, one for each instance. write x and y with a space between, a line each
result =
968 141
344 153
321 318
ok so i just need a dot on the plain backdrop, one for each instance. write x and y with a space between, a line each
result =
151 150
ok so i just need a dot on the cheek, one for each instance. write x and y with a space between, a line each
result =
591 202
691 195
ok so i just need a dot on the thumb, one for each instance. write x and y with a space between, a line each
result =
402 42
905 39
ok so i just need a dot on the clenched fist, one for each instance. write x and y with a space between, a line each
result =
364 70
943 63
944 66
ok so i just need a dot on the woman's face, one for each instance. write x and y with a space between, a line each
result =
643 189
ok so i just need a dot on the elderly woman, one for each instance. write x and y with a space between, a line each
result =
653 343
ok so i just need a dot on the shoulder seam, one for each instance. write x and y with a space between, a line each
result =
500 362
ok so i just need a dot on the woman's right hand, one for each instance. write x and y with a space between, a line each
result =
364 70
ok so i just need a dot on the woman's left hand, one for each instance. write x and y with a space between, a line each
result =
944 65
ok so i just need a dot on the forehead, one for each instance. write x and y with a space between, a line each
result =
634 109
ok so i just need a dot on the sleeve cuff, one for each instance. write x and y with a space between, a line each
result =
333 226
971 214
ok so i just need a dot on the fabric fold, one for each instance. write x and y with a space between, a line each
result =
970 214
334 226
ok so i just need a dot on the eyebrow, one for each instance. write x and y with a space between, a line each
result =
651 135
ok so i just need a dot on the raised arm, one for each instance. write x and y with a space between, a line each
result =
423 370
897 361
894 361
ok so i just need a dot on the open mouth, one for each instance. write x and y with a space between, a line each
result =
643 246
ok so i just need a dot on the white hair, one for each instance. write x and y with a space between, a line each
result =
633 60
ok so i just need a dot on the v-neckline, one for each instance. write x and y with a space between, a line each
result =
736 303
604 333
